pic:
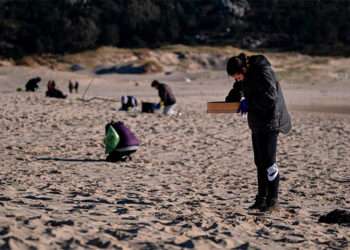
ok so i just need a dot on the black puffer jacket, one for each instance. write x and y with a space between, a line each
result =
267 110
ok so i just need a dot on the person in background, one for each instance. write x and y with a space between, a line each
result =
129 103
76 86
260 95
70 87
167 97
53 92
32 84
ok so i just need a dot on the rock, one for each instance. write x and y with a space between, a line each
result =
337 216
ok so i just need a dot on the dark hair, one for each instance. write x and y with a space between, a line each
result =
154 83
237 64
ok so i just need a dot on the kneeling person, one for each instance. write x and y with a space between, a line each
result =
129 103
52 91
120 142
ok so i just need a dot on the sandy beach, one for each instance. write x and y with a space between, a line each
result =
191 181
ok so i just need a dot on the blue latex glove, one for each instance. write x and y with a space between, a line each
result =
243 106
157 106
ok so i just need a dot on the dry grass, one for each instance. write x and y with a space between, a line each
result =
152 67
28 61
6 63
290 67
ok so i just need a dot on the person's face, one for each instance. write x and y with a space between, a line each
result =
238 77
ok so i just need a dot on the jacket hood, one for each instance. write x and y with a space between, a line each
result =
259 61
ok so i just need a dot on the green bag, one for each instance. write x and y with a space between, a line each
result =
111 140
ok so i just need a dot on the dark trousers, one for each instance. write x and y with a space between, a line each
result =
265 147
116 156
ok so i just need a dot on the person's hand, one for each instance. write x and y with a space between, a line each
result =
243 106
157 106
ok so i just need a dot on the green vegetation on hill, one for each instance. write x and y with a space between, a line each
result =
39 26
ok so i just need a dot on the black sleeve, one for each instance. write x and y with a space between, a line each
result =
235 93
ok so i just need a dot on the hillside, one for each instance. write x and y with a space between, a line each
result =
36 27
290 67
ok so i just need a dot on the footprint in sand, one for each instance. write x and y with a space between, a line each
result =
59 223
123 234
99 243
38 197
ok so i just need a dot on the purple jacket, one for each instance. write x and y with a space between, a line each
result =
127 138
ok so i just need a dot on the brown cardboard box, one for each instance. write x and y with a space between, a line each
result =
222 107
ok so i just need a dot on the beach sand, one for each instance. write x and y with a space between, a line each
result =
191 181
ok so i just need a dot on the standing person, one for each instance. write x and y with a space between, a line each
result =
76 86
70 87
166 96
260 95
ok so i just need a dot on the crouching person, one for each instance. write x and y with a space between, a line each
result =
129 103
166 96
120 142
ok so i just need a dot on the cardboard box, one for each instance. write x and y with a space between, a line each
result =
222 107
